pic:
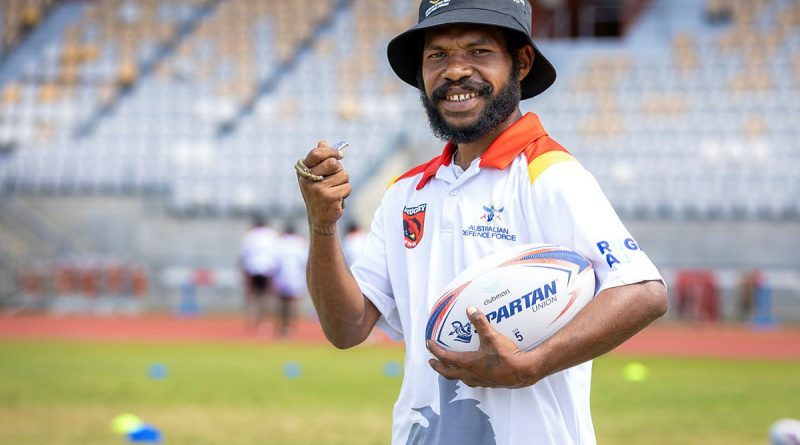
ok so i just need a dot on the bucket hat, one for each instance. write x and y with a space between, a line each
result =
405 50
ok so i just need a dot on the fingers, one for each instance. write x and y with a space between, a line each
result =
444 363
495 364
450 364
480 323
453 372
449 358
337 193
333 172
322 163
324 184
448 372
324 203
322 152
346 189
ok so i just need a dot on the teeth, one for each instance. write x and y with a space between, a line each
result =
461 97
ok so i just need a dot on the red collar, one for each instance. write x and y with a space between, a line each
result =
501 152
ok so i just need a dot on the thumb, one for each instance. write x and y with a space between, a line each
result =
479 322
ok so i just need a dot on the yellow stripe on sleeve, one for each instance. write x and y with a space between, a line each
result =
543 161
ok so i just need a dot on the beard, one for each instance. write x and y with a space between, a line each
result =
496 111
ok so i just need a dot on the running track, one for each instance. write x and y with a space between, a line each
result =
662 339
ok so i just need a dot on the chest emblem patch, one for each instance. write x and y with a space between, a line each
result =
413 225
491 225
492 214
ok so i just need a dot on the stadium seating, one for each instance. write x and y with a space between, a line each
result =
18 18
210 103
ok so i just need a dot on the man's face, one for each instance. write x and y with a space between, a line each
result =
471 83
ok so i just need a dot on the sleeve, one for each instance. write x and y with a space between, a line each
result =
574 212
372 274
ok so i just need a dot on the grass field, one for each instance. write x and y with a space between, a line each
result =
68 393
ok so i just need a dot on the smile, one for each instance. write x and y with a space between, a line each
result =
461 97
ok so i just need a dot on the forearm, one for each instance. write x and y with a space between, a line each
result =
345 314
612 317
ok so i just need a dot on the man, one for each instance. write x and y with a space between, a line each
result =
473 61
258 264
353 243
290 280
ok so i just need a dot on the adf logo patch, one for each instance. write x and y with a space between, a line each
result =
413 224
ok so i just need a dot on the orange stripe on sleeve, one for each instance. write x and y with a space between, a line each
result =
543 153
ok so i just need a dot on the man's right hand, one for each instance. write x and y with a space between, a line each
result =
324 199
345 314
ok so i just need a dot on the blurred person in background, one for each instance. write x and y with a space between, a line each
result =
290 281
754 299
472 62
353 243
258 262
749 282
697 296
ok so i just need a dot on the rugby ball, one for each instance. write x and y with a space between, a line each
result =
527 292
785 432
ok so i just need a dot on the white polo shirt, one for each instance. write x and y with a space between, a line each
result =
258 251
291 276
352 245
436 220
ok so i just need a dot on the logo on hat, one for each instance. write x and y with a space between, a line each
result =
435 5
